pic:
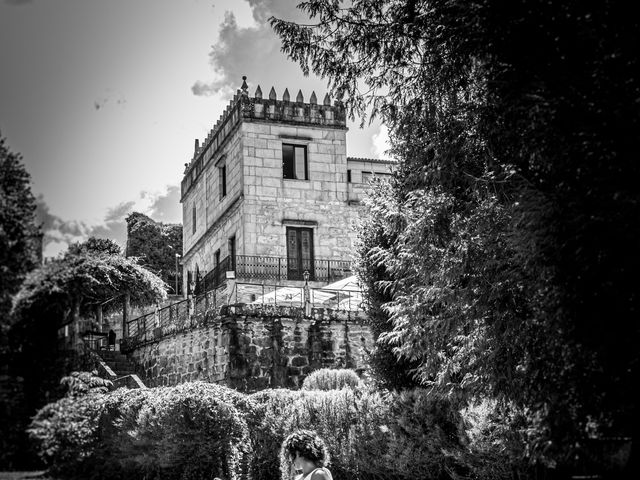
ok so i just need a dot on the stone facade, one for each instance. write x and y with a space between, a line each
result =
251 349
238 199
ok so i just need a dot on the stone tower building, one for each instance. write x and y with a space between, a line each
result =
270 193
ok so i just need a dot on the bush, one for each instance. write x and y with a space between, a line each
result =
66 432
498 441
267 434
82 383
200 430
370 435
190 431
429 438
331 379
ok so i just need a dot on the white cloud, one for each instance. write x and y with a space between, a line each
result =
380 142
254 51
163 206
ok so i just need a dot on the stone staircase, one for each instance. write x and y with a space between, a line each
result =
116 367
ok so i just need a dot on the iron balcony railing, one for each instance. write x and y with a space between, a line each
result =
189 313
171 319
260 267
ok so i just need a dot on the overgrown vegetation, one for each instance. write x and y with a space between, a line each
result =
20 252
156 245
331 379
89 274
67 291
501 261
200 430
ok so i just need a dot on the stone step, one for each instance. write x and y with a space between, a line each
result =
112 356
129 381
119 363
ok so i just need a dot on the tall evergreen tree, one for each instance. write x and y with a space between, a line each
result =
20 241
156 245
512 221
20 237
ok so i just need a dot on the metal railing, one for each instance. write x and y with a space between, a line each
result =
171 319
213 279
191 312
264 294
260 267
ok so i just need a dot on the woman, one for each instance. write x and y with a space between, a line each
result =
304 451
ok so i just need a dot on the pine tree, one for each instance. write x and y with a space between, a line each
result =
20 238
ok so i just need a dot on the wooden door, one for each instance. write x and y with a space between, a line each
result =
299 253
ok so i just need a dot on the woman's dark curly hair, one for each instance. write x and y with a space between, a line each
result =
307 444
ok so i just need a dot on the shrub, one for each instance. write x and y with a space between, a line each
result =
331 379
200 430
82 383
352 424
370 435
66 432
428 436
184 432
273 424
497 443
190 431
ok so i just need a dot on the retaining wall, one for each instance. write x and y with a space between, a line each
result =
251 348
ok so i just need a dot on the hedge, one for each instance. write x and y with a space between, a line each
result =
331 379
200 431
191 431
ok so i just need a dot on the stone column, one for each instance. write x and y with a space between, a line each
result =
126 310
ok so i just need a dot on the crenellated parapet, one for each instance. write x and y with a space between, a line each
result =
260 109
294 112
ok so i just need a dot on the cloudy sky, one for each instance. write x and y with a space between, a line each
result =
104 99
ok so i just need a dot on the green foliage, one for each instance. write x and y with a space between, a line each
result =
199 430
509 233
83 383
66 432
20 238
377 232
331 379
84 277
268 433
190 431
156 244
20 252
370 435
497 440
95 245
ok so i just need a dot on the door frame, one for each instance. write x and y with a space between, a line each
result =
297 273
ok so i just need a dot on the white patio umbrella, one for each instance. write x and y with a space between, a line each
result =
346 293
349 284
292 296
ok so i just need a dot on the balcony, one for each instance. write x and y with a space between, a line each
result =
271 269
201 309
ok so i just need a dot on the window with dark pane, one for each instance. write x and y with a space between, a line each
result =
222 179
294 162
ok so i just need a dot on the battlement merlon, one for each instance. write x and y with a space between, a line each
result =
243 108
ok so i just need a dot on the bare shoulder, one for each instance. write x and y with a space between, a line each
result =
321 474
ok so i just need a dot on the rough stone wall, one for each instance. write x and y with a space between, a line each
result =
272 203
358 186
217 219
251 349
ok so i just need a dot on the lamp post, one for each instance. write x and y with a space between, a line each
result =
307 300
177 257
